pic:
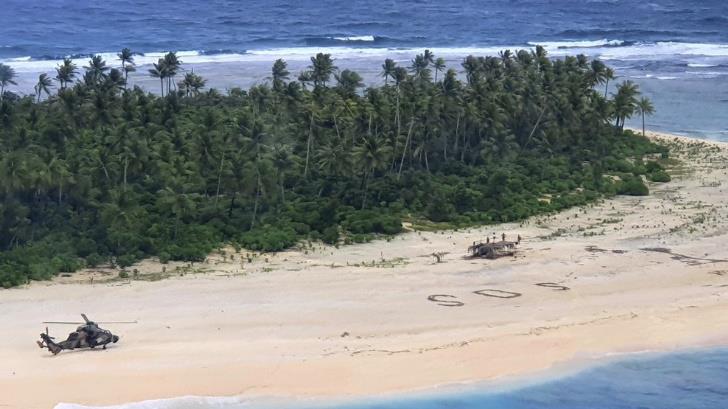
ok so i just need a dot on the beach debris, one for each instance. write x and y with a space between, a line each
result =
439 255
344 334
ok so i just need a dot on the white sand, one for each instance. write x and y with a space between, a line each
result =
326 322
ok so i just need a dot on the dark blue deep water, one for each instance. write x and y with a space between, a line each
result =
40 28
676 50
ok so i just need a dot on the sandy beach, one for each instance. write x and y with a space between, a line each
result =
624 275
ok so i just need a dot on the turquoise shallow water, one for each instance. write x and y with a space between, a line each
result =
684 380
676 381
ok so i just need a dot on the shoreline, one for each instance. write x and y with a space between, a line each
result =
641 272
557 372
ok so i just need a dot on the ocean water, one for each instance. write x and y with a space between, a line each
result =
684 380
677 50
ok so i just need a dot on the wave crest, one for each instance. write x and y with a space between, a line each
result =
578 44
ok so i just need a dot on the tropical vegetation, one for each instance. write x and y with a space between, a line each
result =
99 172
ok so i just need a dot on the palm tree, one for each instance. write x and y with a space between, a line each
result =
439 66
172 63
44 84
429 58
348 82
97 68
471 65
625 102
127 63
608 75
419 68
388 69
7 77
279 74
66 72
644 107
159 70
370 157
192 83
321 68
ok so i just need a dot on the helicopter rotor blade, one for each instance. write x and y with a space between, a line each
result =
99 322
118 322
61 322
84 317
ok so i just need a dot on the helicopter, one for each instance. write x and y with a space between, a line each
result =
87 335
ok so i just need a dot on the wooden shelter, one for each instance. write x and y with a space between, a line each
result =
492 250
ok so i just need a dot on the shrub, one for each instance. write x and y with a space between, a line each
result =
633 186
94 260
330 235
269 238
659 176
125 261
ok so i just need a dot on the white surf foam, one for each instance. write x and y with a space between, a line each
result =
355 38
701 55
551 45
185 402
696 65
664 50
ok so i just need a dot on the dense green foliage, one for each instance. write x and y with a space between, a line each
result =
97 173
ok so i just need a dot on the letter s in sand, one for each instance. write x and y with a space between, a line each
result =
445 303
555 286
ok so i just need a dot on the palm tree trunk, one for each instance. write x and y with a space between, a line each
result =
606 88
457 136
126 166
366 188
308 145
406 144
336 125
283 190
643 124
396 136
219 178
257 196
232 204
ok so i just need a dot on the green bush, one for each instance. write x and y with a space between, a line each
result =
659 176
94 260
633 186
330 235
269 238
125 261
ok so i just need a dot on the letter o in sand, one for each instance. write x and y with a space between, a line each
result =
497 293
445 303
